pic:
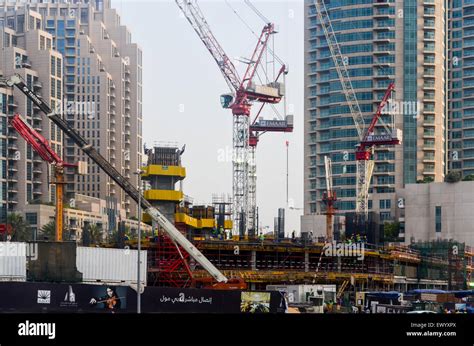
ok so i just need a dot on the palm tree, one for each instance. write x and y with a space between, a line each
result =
95 234
20 228
49 231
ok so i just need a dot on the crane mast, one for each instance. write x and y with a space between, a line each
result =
243 93
17 81
330 199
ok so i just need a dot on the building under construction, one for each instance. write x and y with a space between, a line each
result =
279 260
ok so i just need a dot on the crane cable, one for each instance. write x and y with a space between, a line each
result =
277 58
257 12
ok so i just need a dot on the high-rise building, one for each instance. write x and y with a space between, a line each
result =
461 86
101 73
382 41
22 41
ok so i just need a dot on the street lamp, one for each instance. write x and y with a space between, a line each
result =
139 244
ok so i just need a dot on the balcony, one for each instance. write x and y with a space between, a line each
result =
429 159
381 3
429 12
26 64
429 134
37 192
429 86
37 85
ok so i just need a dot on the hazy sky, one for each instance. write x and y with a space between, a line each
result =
182 85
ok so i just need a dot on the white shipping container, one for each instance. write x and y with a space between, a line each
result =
12 261
110 266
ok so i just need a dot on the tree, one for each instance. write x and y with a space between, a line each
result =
49 231
453 177
20 228
391 231
426 180
469 177
95 234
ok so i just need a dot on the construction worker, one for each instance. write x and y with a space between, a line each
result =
221 233
227 234
262 237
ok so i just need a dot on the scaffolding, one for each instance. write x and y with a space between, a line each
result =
223 210
443 260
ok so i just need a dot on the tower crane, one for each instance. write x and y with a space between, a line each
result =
367 137
176 236
42 147
244 92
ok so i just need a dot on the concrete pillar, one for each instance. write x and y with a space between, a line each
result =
306 261
253 260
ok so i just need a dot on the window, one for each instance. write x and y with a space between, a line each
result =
31 218
20 23
53 66
58 67
385 204
385 216
438 218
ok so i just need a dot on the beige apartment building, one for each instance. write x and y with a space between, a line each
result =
101 86
28 52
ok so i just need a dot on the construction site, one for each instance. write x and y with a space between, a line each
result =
219 246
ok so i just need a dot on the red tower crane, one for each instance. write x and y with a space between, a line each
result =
244 92
42 147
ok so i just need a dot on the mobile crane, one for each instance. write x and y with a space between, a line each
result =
18 82
42 147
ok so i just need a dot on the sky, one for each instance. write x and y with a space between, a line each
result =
182 86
